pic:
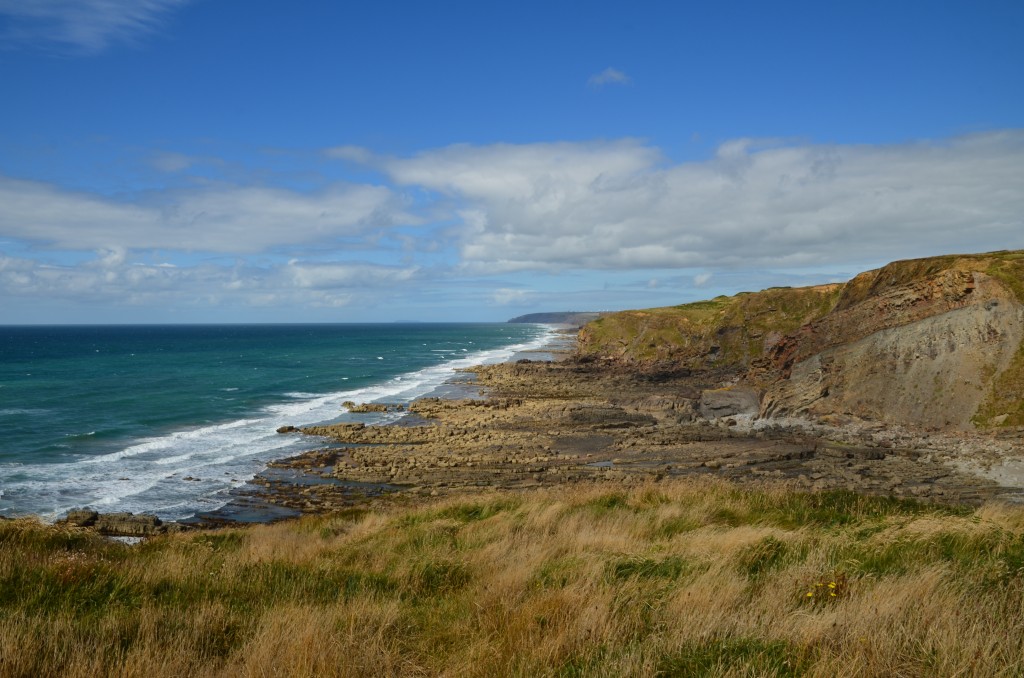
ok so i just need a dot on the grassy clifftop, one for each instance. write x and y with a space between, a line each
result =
725 332
1007 267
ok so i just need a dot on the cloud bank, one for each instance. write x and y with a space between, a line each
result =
618 205
496 219
227 219
111 278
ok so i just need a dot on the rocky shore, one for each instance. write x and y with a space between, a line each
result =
548 423
577 420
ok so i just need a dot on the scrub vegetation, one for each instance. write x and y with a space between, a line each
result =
682 578
724 332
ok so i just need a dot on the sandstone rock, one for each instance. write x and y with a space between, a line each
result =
287 429
128 525
371 407
608 417
934 372
728 402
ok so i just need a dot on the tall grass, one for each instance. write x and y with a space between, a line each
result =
694 577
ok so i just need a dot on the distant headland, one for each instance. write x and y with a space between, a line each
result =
575 318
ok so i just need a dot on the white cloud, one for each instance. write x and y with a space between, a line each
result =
87 25
113 279
616 205
229 219
506 296
609 76
538 179
755 206
333 276
111 258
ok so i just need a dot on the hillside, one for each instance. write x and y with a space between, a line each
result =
934 343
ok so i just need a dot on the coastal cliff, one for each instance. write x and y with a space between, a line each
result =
936 343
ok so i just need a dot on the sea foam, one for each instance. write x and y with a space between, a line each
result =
185 471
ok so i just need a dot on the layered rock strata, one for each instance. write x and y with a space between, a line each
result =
934 344
589 421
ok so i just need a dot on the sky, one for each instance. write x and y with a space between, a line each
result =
268 161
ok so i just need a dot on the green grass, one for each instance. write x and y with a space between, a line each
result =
761 557
715 657
640 567
473 511
720 332
694 577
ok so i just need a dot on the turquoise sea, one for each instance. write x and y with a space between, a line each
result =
117 417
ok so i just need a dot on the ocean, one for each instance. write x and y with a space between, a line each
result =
168 419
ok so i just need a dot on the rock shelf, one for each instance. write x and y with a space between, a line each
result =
585 421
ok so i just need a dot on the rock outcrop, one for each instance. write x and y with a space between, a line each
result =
728 402
119 524
576 422
372 407
934 343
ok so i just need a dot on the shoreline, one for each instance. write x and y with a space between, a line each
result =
546 418
277 492
567 423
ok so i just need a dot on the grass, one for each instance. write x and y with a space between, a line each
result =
682 578
1006 397
724 331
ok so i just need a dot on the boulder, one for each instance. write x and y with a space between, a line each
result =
119 524
128 525
287 429
80 518
372 407
728 402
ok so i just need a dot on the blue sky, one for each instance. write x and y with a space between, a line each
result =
263 161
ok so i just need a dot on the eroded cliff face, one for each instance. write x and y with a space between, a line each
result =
933 373
936 343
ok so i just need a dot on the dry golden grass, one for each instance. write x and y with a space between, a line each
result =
695 577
